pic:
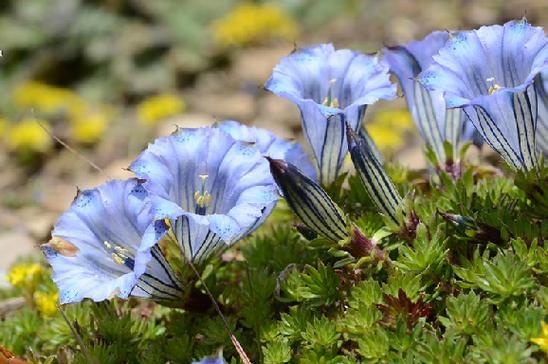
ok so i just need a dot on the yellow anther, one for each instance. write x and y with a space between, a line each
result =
329 100
202 197
493 86
118 254
118 259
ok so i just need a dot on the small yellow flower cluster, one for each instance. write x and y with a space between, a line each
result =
28 135
88 128
156 108
46 302
32 280
25 275
388 128
3 127
47 99
254 23
86 123
542 341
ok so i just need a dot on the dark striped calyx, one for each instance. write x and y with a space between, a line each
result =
364 135
309 201
378 185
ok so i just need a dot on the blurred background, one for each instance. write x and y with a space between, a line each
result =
108 76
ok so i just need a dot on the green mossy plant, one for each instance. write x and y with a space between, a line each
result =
469 287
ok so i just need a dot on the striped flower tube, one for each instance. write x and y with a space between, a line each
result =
489 73
309 201
378 185
330 87
435 122
364 135
541 85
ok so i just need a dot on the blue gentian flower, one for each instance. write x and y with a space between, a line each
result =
212 188
435 122
489 73
541 85
330 88
210 360
104 245
270 145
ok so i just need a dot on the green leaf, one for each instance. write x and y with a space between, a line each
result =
277 352
467 314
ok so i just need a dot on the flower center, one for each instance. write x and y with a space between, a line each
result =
119 254
202 197
493 86
329 100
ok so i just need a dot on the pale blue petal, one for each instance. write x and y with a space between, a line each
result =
270 145
489 73
328 85
208 162
210 360
108 226
428 108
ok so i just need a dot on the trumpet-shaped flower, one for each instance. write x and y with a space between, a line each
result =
212 188
210 360
435 122
270 145
330 88
541 85
489 73
104 245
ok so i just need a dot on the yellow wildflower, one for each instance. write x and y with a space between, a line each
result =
46 302
389 127
254 23
47 99
28 135
89 128
542 341
3 126
159 107
386 138
25 275
398 119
